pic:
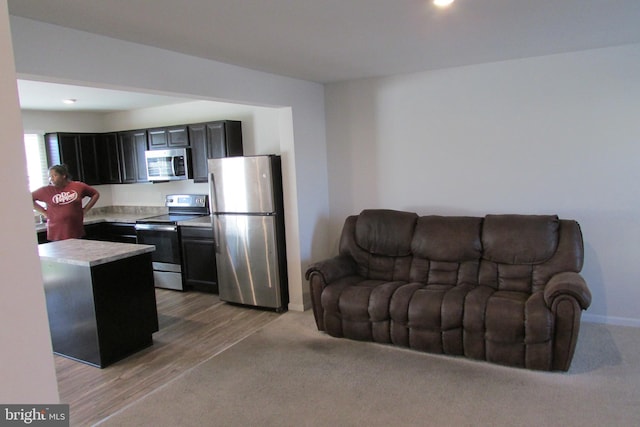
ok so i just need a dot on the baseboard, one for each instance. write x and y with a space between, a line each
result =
610 320
296 307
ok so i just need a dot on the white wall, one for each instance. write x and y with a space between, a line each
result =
26 359
555 134
61 121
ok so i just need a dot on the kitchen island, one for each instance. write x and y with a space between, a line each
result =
100 299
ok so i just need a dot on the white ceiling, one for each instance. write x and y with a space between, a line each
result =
334 40
47 96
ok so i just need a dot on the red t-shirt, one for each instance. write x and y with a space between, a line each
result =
64 209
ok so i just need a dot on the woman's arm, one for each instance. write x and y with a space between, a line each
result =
91 202
38 207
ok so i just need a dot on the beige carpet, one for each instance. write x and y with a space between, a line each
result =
289 374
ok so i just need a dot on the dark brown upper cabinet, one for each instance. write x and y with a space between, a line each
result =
78 151
213 140
132 145
168 137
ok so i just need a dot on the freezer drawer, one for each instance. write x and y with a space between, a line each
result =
248 261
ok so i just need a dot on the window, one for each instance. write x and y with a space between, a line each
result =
36 161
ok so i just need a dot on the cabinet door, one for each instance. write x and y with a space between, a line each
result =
199 259
42 237
217 140
89 166
52 148
158 139
119 232
109 155
198 139
70 155
128 165
94 231
140 142
132 146
177 136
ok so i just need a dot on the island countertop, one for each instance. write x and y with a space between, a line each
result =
90 252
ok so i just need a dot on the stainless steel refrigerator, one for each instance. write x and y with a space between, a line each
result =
248 219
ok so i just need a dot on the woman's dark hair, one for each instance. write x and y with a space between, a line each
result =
61 170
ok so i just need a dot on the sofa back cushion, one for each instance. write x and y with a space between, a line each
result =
446 250
447 238
385 232
520 239
506 252
522 252
379 241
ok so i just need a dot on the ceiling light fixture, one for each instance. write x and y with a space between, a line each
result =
442 3
69 101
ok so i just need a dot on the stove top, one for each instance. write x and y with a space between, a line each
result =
171 218
182 207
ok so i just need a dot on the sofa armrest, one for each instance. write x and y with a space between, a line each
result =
332 269
320 275
568 284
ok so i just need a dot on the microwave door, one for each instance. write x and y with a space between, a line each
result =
167 165
158 167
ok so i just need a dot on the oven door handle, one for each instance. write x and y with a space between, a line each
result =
157 227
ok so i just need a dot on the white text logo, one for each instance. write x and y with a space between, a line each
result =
65 197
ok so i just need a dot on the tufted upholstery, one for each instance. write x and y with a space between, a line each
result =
503 288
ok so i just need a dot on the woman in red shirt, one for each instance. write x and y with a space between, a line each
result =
62 201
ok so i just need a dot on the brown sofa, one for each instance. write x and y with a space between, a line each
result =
503 288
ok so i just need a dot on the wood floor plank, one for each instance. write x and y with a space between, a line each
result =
194 327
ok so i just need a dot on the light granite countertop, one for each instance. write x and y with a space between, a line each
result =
126 214
203 221
90 252
95 219
130 215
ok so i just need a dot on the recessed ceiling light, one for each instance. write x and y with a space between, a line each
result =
442 3
69 101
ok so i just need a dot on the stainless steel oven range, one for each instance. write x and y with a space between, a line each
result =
163 232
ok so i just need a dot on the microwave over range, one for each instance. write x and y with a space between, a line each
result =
168 165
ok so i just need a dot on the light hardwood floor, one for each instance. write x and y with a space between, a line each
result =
194 327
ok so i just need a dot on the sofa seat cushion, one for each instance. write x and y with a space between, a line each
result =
519 330
358 308
429 317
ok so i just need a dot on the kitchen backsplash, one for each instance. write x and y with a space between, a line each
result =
128 210
141 211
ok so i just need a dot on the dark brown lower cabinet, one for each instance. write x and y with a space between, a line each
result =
122 232
199 259
42 236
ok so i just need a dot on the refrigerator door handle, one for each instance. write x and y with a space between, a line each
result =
216 233
213 206
213 200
